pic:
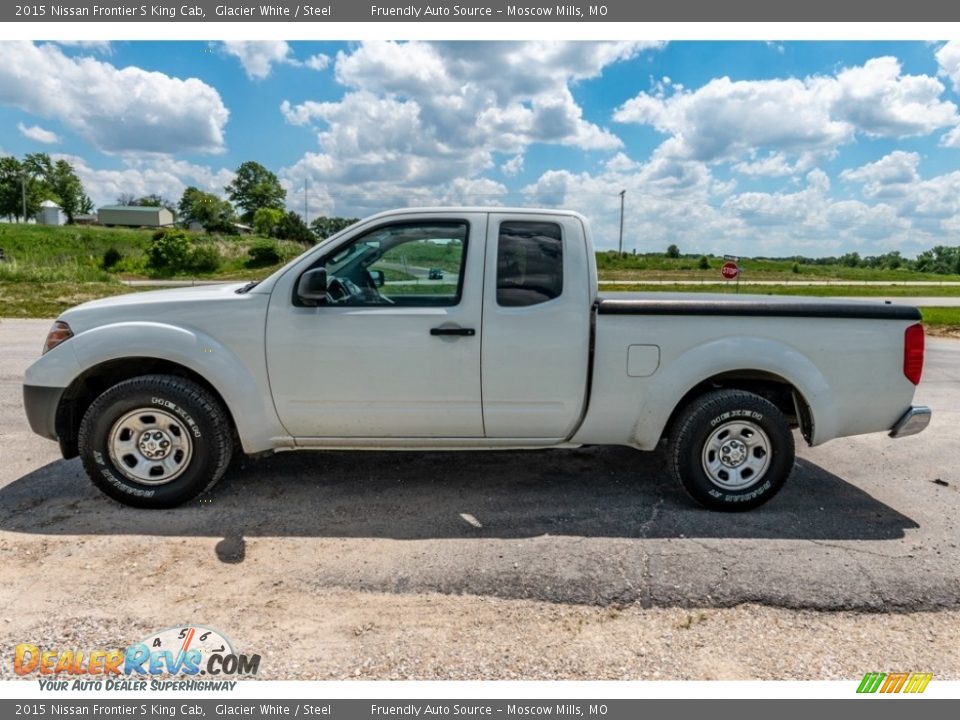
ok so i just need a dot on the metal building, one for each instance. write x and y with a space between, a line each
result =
134 216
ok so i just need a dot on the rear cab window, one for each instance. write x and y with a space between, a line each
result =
529 263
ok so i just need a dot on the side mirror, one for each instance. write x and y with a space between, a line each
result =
377 277
312 286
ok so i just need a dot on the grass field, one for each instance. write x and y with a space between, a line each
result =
659 267
37 253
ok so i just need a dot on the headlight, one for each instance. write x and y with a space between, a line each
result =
60 332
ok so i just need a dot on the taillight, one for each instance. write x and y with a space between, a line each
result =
913 353
60 332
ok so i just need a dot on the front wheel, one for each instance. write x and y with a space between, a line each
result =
155 441
732 450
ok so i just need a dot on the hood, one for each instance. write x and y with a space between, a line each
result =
174 304
194 293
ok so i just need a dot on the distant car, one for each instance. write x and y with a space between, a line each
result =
435 274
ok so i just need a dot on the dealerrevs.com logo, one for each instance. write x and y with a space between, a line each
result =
178 658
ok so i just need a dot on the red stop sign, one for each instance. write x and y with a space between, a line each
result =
730 271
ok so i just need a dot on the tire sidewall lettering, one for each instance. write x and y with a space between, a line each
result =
731 414
183 414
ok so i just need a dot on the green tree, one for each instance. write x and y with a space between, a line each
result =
851 260
324 227
18 186
69 190
59 182
156 200
292 227
266 221
254 188
673 251
214 214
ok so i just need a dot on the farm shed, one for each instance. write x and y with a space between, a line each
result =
135 216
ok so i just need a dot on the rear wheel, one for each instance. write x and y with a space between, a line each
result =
155 441
732 450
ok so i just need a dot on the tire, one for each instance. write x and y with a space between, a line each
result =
155 441
732 450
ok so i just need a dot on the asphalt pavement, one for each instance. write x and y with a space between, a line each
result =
865 523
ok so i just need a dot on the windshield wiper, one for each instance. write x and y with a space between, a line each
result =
248 287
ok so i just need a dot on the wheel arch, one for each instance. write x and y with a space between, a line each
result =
95 380
769 385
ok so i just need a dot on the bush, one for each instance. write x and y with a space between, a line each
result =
703 263
204 259
110 258
170 252
264 253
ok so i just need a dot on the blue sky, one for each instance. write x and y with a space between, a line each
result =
749 148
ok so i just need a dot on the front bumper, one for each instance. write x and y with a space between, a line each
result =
41 404
913 421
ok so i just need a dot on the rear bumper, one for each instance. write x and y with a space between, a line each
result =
913 421
41 404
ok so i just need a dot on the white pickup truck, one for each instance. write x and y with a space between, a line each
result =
465 328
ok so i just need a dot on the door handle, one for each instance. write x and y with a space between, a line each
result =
463 332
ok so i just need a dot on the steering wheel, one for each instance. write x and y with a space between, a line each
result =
338 291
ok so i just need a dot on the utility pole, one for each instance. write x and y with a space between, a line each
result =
622 193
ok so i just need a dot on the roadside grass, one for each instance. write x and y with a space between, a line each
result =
942 320
49 299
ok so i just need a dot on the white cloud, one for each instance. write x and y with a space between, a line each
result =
317 62
425 115
701 214
259 56
146 176
948 59
38 134
513 166
890 176
116 109
879 100
776 164
728 120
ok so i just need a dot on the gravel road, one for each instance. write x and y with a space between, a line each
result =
585 563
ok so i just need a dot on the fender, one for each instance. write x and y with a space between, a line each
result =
724 355
254 414
612 418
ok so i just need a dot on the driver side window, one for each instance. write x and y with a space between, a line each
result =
413 264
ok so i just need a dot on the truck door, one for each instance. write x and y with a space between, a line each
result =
395 352
536 326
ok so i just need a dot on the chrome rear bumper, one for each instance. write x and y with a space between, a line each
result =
913 421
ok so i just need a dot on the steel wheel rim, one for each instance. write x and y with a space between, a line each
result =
736 455
150 446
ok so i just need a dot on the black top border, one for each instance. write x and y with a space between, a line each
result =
474 11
